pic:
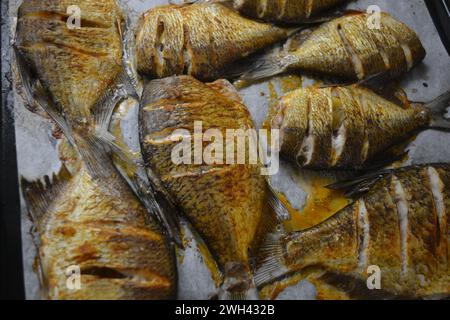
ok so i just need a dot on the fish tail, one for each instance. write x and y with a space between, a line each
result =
263 66
440 112
268 246
238 283
99 144
270 262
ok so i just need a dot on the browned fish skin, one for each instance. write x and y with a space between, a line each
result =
401 225
198 40
227 204
75 66
356 51
348 47
284 10
101 227
342 127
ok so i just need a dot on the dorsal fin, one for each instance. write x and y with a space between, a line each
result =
39 195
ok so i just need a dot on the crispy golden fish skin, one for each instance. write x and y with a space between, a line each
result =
350 47
100 227
342 127
401 225
290 11
357 51
198 40
227 204
78 65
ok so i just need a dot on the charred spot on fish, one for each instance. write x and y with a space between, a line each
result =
103 272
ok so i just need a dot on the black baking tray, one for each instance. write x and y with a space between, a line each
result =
440 12
11 266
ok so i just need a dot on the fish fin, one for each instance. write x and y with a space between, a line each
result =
326 17
239 295
121 89
360 185
269 263
39 195
97 146
440 109
161 206
278 206
263 66
375 81
150 191
35 92
268 63
225 88
389 157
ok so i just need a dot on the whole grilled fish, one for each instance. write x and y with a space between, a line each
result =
98 229
198 39
352 47
75 65
401 226
348 126
291 11
74 72
228 204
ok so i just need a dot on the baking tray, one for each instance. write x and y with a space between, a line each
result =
37 156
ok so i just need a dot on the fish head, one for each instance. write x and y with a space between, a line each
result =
160 41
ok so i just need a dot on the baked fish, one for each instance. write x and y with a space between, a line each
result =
77 74
290 11
346 127
74 72
198 39
352 47
99 230
401 226
230 205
